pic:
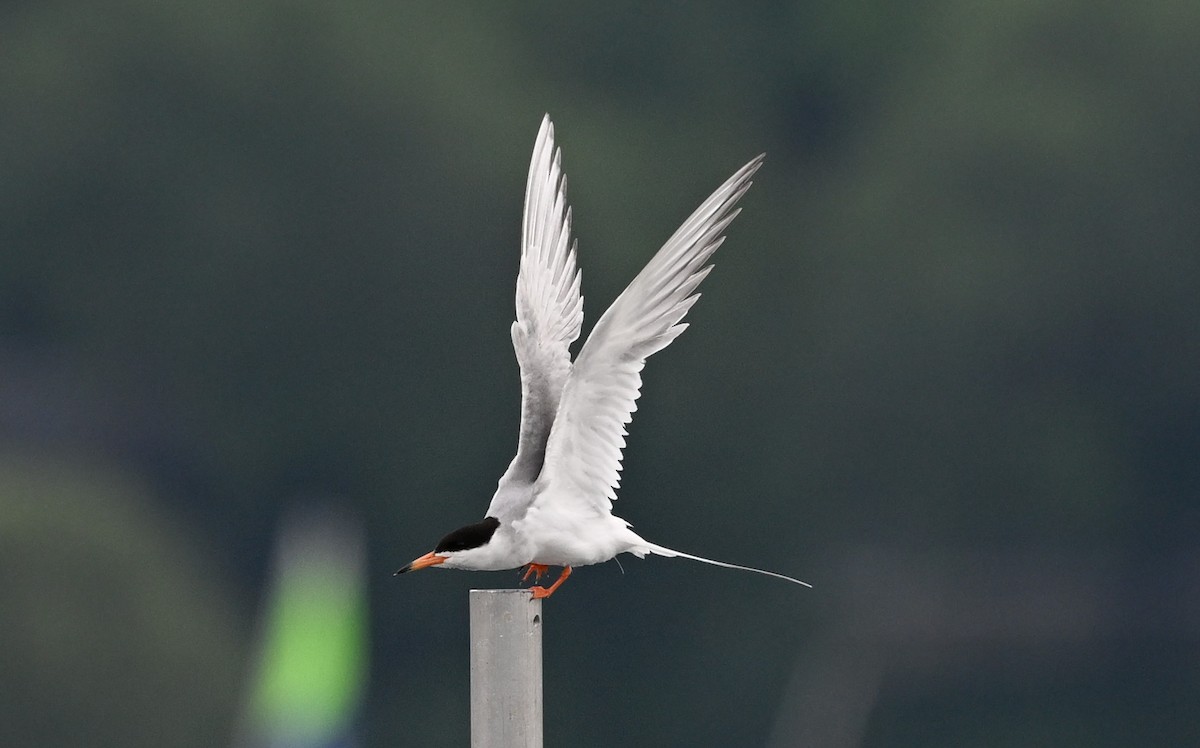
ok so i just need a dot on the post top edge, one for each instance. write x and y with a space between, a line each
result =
501 592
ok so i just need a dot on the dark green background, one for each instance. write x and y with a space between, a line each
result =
946 370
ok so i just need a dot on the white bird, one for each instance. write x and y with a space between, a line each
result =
553 506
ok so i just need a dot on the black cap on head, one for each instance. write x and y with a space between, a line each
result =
471 536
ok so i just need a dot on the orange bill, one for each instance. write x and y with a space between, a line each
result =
429 559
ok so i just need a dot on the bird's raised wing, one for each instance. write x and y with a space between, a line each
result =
583 455
549 309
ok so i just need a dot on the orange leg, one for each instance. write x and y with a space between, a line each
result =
538 570
541 592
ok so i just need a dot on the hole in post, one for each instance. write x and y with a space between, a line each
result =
537 620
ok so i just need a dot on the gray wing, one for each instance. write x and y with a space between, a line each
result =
583 457
549 313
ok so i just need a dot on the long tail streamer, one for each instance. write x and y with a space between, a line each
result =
671 553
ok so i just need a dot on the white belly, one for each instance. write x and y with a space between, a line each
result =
558 540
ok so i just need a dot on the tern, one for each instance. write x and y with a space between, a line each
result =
553 505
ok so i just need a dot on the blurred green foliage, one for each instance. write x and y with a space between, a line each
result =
115 632
258 251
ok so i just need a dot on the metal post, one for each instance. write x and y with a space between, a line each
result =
506 669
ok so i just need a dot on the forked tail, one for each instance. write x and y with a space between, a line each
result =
671 553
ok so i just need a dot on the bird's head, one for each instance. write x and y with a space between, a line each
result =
458 549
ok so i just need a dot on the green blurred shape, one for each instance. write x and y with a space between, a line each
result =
313 646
